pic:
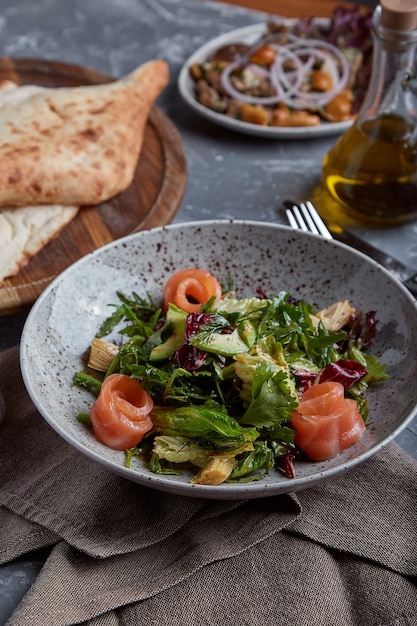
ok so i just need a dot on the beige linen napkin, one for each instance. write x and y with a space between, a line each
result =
343 552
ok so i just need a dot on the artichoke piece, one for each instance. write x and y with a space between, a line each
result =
102 354
216 468
335 317
216 471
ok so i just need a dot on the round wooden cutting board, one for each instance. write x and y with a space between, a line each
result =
151 200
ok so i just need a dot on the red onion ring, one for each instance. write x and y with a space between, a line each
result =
289 85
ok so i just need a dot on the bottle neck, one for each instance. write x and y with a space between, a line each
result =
393 84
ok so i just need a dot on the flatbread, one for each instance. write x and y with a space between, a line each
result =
74 145
61 148
24 231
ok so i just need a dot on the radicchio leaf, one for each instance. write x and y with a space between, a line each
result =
285 464
362 330
187 356
305 379
343 371
260 293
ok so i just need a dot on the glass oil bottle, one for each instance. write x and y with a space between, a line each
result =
372 169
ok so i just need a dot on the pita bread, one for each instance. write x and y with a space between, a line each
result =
74 145
24 231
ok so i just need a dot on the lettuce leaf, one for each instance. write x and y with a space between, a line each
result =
273 400
208 424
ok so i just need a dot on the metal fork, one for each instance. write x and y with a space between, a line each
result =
305 217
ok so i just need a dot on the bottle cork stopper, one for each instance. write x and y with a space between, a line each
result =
399 14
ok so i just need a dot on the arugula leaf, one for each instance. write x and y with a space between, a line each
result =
142 313
110 323
291 325
249 465
81 379
84 418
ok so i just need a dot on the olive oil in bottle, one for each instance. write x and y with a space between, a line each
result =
372 169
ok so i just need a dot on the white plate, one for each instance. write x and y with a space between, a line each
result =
66 316
249 35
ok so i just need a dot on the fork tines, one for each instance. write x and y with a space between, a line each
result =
305 217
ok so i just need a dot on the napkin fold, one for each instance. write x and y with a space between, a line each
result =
343 552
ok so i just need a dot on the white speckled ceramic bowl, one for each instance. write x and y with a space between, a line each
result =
66 316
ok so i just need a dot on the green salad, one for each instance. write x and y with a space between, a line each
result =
225 381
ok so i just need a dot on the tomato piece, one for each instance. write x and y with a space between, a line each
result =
264 55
